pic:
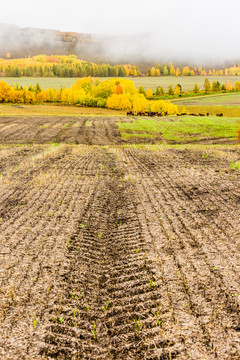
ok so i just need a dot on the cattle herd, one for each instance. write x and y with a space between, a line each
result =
146 113
152 113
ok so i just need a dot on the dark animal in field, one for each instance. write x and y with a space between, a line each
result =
220 114
207 114
193 114
201 115
129 113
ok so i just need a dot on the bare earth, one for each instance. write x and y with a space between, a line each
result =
111 252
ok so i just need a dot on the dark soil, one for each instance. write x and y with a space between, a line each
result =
119 253
73 130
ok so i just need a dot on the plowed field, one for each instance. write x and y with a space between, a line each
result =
117 252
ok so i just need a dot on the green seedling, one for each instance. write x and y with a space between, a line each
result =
235 165
100 235
137 323
119 212
214 268
215 312
35 322
69 242
152 284
78 297
87 307
74 324
74 312
94 330
159 320
61 320
82 225
137 251
106 307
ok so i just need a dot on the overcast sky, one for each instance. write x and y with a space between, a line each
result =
125 16
207 27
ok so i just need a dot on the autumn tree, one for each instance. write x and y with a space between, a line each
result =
177 90
119 89
237 85
207 86
157 93
141 90
170 90
161 90
177 73
216 86
153 71
196 89
149 93
228 85
172 71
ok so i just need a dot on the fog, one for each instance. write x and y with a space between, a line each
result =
181 31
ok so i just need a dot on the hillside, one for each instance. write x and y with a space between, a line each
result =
24 42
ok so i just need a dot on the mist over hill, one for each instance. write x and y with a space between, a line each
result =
145 48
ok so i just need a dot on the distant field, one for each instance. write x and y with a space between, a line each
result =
232 99
147 82
228 104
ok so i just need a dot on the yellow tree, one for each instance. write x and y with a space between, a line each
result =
149 93
228 85
237 85
153 71
172 71
139 102
177 90
177 73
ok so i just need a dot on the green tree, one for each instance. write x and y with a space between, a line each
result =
157 91
141 90
216 86
196 89
161 91
170 90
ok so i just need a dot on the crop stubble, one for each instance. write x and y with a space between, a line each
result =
153 234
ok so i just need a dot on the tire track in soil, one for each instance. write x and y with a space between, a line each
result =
205 290
109 267
29 260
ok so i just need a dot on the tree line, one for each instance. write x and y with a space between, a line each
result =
71 66
119 94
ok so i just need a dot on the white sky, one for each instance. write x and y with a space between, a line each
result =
126 16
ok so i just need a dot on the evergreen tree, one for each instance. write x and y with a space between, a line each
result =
196 89
141 90
161 91
170 90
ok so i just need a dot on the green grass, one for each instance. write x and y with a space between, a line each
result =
187 128
228 104
227 99
187 82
